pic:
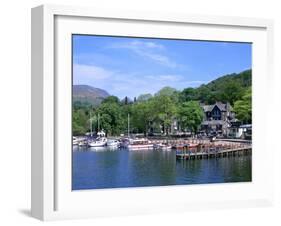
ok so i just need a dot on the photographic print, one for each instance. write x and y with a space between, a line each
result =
160 112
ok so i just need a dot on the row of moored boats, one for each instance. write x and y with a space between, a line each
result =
129 143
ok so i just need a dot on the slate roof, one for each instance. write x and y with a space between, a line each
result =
220 105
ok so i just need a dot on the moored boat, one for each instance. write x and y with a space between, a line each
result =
99 142
83 143
139 144
74 141
162 147
113 143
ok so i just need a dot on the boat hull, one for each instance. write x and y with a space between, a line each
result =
140 147
164 148
97 145
113 144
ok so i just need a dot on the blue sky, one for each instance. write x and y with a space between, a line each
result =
134 66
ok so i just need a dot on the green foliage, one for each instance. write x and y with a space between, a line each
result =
166 91
190 115
243 107
188 94
204 93
111 99
228 88
164 110
141 116
144 97
111 119
80 105
79 122
231 92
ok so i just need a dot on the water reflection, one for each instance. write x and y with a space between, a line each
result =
114 168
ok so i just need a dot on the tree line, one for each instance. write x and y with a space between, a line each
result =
156 113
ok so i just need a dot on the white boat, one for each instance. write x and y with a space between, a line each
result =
139 144
136 144
162 147
80 141
113 143
75 141
83 143
99 142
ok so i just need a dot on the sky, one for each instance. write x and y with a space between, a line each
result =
133 66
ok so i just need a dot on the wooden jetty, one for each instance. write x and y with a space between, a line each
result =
213 152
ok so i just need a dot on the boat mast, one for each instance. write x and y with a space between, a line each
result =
91 125
128 125
98 122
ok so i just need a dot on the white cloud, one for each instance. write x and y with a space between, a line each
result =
128 84
141 45
82 72
148 50
154 45
167 78
161 59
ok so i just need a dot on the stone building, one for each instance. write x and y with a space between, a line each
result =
217 118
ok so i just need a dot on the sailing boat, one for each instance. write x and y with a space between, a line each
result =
137 144
101 140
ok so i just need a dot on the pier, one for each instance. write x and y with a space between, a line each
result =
213 151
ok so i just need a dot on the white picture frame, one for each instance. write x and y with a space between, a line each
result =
51 162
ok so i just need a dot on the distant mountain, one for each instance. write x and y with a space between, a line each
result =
84 94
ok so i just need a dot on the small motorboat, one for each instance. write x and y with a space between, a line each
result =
99 142
113 143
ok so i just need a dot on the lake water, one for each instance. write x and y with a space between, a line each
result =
106 168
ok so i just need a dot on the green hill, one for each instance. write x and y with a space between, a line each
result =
244 79
227 88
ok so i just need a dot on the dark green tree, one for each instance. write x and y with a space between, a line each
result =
79 122
191 115
111 99
111 118
243 107
188 94
144 97
164 110
231 92
142 116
